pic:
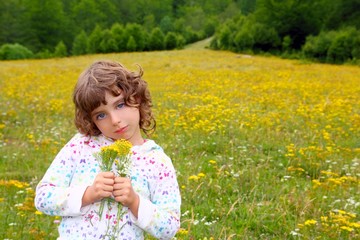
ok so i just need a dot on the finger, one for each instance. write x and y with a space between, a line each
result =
108 174
106 194
108 181
121 179
108 188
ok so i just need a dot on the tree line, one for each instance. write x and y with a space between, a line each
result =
322 30
41 28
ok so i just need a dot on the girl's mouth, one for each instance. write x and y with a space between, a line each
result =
121 130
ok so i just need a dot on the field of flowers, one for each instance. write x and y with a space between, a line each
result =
264 148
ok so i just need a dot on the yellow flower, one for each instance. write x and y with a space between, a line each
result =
194 177
123 147
200 175
38 212
182 231
212 161
310 222
347 228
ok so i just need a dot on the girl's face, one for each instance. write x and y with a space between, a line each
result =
118 121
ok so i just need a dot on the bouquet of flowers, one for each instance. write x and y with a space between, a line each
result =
119 154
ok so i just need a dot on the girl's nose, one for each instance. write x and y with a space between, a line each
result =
115 119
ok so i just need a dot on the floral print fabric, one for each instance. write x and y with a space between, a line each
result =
74 169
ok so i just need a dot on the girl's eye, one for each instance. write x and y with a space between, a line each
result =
100 116
121 105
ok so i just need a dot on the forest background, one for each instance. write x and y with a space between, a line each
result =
322 30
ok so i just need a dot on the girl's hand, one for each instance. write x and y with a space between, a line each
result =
102 187
125 194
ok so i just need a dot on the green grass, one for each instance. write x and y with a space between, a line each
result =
264 148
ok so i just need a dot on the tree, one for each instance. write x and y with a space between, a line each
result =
89 13
293 18
47 23
119 35
95 39
108 43
60 50
13 17
80 44
138 33
157 39
166 24
131 44
341 13
170 40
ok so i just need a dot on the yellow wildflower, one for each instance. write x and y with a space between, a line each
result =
347 228
38 212
182 231
194 177
310 222
200 175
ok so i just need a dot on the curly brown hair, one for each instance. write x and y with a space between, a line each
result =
102 76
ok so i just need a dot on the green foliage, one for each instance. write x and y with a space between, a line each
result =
80 44
265 38
341 47
170 40
156 40
286 43
297 19
342 13
138 33
108 42
180 41
95 39
60 50
166 24
40 25
44 54
243 34
47 21
334 46
119 35
14 51
210 27
131 44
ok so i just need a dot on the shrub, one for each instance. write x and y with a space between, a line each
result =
244 40
342 46
333 46
14 51
265 37
170 40
157 39
316 47
131 44
60 50
44 54
180 41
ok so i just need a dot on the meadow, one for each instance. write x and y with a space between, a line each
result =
264 148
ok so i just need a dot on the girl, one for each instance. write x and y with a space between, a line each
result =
111 103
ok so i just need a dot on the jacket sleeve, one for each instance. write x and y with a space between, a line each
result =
54 193
160 215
